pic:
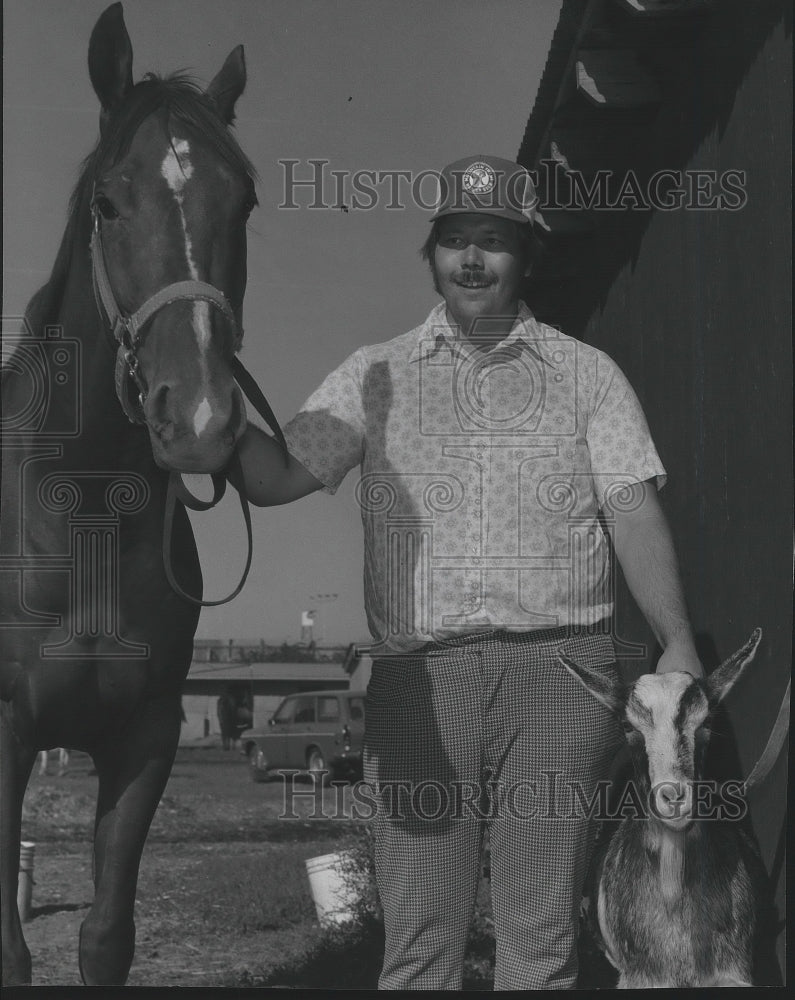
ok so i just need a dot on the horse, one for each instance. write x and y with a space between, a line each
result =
143 308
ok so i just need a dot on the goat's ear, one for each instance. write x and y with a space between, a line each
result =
723 678
228 84
601 687
110 59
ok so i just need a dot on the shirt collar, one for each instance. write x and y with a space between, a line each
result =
436 334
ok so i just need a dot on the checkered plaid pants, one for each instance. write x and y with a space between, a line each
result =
494 716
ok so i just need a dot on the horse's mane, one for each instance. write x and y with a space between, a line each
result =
185 101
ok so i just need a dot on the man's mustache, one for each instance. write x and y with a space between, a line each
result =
473 275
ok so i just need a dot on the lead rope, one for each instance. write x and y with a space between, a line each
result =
257 399
775 742
178 491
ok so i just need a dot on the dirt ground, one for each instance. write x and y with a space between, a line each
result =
223 895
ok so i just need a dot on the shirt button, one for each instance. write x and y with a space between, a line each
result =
558 377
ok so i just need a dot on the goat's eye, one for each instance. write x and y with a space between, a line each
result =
632 735
105 207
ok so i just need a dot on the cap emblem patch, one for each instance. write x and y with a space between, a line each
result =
479 178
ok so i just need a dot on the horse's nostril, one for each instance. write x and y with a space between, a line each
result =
156 410
158 400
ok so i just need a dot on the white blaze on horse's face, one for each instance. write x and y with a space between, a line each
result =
177 170
176 167
667 709
202 416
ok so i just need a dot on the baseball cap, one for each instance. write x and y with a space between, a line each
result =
487 184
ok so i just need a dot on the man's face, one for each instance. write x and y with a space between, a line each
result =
478 267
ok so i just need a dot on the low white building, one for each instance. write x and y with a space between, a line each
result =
220 669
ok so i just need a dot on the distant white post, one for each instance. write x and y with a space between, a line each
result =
307 623
320 600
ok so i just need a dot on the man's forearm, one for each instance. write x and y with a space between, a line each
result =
267 480
646 553
645 550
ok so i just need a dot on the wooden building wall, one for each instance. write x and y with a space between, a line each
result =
695 306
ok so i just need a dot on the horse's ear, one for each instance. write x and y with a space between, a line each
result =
229 84
110 58
723 678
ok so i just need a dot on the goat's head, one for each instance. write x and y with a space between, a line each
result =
665 717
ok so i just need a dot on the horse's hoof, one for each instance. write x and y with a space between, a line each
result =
108 965
11 980
19 972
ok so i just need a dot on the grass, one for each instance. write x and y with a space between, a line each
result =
350 956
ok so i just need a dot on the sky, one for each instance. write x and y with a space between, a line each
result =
366 85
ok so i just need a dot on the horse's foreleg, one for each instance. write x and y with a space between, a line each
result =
16 763
133 772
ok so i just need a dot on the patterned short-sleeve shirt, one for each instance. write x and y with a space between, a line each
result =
482 476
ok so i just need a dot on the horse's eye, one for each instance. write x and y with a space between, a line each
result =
106 209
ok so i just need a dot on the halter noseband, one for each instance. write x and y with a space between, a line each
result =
127 329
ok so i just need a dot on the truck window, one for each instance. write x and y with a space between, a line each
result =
285 711
328 709
305 710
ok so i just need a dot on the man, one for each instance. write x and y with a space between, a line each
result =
490 445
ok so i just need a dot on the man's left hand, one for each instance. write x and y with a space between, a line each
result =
680 656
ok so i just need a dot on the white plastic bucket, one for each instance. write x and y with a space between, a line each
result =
27 849
333 884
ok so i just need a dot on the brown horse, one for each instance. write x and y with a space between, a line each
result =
148 284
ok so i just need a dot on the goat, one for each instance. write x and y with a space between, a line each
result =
676 893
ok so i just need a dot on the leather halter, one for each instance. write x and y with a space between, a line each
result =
127 329
127 333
